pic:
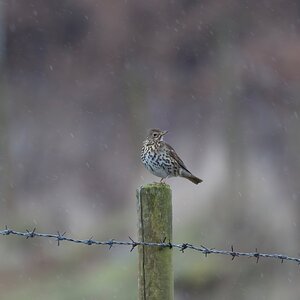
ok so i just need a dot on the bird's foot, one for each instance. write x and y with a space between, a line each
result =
163 180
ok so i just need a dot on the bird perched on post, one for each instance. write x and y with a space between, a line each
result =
162 160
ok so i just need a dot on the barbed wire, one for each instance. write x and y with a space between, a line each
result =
59 237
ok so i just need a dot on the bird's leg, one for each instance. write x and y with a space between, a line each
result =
163 179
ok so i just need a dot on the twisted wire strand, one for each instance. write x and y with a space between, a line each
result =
59 237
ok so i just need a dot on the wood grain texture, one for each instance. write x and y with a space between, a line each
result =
155 279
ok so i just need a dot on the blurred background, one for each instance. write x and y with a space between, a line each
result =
82 82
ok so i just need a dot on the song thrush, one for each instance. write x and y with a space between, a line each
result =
162 160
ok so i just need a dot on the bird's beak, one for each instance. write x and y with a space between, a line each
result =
165 132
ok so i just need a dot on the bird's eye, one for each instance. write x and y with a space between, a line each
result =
155 134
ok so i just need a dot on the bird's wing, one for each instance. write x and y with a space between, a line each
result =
174 155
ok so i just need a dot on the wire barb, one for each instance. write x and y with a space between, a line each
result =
30 234
183 247
111 243
133 244
232 253
6 231
205 250
163 244
60 237
256 254
90 241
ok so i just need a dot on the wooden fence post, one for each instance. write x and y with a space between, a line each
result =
155 278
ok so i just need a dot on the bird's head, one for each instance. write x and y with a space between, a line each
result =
156 134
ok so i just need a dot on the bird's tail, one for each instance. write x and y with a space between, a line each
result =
194 179
191 177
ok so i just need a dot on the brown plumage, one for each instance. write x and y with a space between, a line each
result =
162 160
